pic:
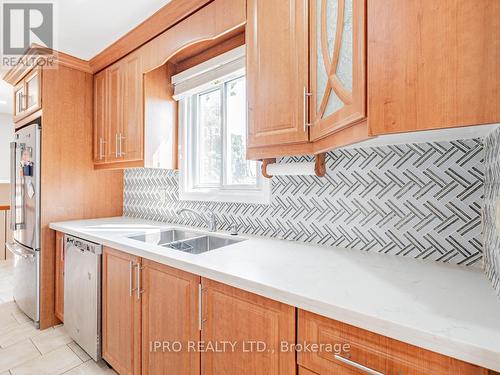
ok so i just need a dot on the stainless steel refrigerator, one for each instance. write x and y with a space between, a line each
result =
25 218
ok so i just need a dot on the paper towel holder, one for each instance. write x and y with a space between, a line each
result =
319 165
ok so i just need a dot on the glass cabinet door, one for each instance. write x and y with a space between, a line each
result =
337 65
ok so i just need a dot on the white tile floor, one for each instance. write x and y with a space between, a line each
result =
25 350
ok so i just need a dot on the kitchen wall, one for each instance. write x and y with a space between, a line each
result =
6 136
491 208
417 200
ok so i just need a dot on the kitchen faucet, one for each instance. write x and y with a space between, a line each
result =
210 221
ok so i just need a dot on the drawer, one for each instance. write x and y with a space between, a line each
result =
341 347
368 352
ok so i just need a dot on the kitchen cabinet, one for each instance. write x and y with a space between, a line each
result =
130 136
357 347
121 312
170 311
27 94
144 303
338 64
100 112
375 68
432 64
118 112
286 115
59 297
233 315
277 76
135 116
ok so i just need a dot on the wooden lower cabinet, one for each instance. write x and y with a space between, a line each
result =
148 310
252 322
59 296
152 315
170 319
373 351
121 312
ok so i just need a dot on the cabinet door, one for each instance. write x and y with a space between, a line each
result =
59 296
121 313
131 135
277 73
432 64
100 118
256 325
114 96
33 91
169 315
338 64
354 347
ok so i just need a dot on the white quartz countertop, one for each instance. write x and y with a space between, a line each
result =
444 308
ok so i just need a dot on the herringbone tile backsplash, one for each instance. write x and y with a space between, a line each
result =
491 193
417 200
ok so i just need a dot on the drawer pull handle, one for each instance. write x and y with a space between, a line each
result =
357 365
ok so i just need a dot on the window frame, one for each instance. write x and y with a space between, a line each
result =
189 188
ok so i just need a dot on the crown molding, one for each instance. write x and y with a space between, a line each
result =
17 72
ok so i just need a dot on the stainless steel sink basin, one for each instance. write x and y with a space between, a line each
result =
186 241
165 237
202 244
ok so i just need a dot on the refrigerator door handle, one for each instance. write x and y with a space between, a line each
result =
17 250
13 219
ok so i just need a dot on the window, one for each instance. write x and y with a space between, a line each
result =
213 123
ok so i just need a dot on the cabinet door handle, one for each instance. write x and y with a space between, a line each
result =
120 139
200 307
138 274
357 365
101 148
116 146
120 143
306 107
130 278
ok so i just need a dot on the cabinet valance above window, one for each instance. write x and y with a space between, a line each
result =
206 74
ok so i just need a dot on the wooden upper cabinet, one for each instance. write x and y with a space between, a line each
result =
169 314
28 94
290 45
277 72
233 315
100 121
114 111
432 64
118 112
121 312
130 137
337 65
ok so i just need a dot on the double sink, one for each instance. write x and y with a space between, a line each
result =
186 241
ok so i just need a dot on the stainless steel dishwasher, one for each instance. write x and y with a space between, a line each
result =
82 293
